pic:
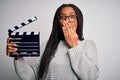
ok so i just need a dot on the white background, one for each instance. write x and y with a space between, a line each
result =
101 24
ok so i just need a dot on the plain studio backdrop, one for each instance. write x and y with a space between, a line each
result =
101 24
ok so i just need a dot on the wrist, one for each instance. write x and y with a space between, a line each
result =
75 44
16 58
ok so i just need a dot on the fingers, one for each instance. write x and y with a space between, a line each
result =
64 31
64 28
10 51
11 44
10 47
8 40
70 34
67 29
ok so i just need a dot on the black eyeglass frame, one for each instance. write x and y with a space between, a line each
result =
65 17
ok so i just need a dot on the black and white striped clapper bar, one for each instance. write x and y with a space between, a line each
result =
28 43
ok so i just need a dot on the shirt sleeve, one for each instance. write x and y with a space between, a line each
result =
26 71
23 70
84 60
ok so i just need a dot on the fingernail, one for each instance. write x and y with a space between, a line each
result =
16 49
14 44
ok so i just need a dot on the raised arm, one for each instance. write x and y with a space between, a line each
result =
22 68
26 71
84 60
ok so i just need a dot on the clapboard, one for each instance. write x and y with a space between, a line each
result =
27 43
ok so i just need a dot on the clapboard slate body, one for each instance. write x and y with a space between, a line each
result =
28 43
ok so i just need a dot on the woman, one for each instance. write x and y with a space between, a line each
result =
66 55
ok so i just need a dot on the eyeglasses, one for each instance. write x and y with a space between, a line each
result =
71 18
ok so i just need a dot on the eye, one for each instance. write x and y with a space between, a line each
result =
72 16
62 17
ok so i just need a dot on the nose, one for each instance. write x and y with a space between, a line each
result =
67 19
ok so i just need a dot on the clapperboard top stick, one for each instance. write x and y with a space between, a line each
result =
22 25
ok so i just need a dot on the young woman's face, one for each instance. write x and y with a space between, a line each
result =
68 14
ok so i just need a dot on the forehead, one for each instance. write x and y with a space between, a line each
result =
67 10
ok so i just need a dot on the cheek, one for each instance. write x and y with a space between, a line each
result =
74 25
60 23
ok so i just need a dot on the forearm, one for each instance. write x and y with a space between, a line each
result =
24 70
84 68
84 62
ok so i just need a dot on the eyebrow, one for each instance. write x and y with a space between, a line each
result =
69 13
